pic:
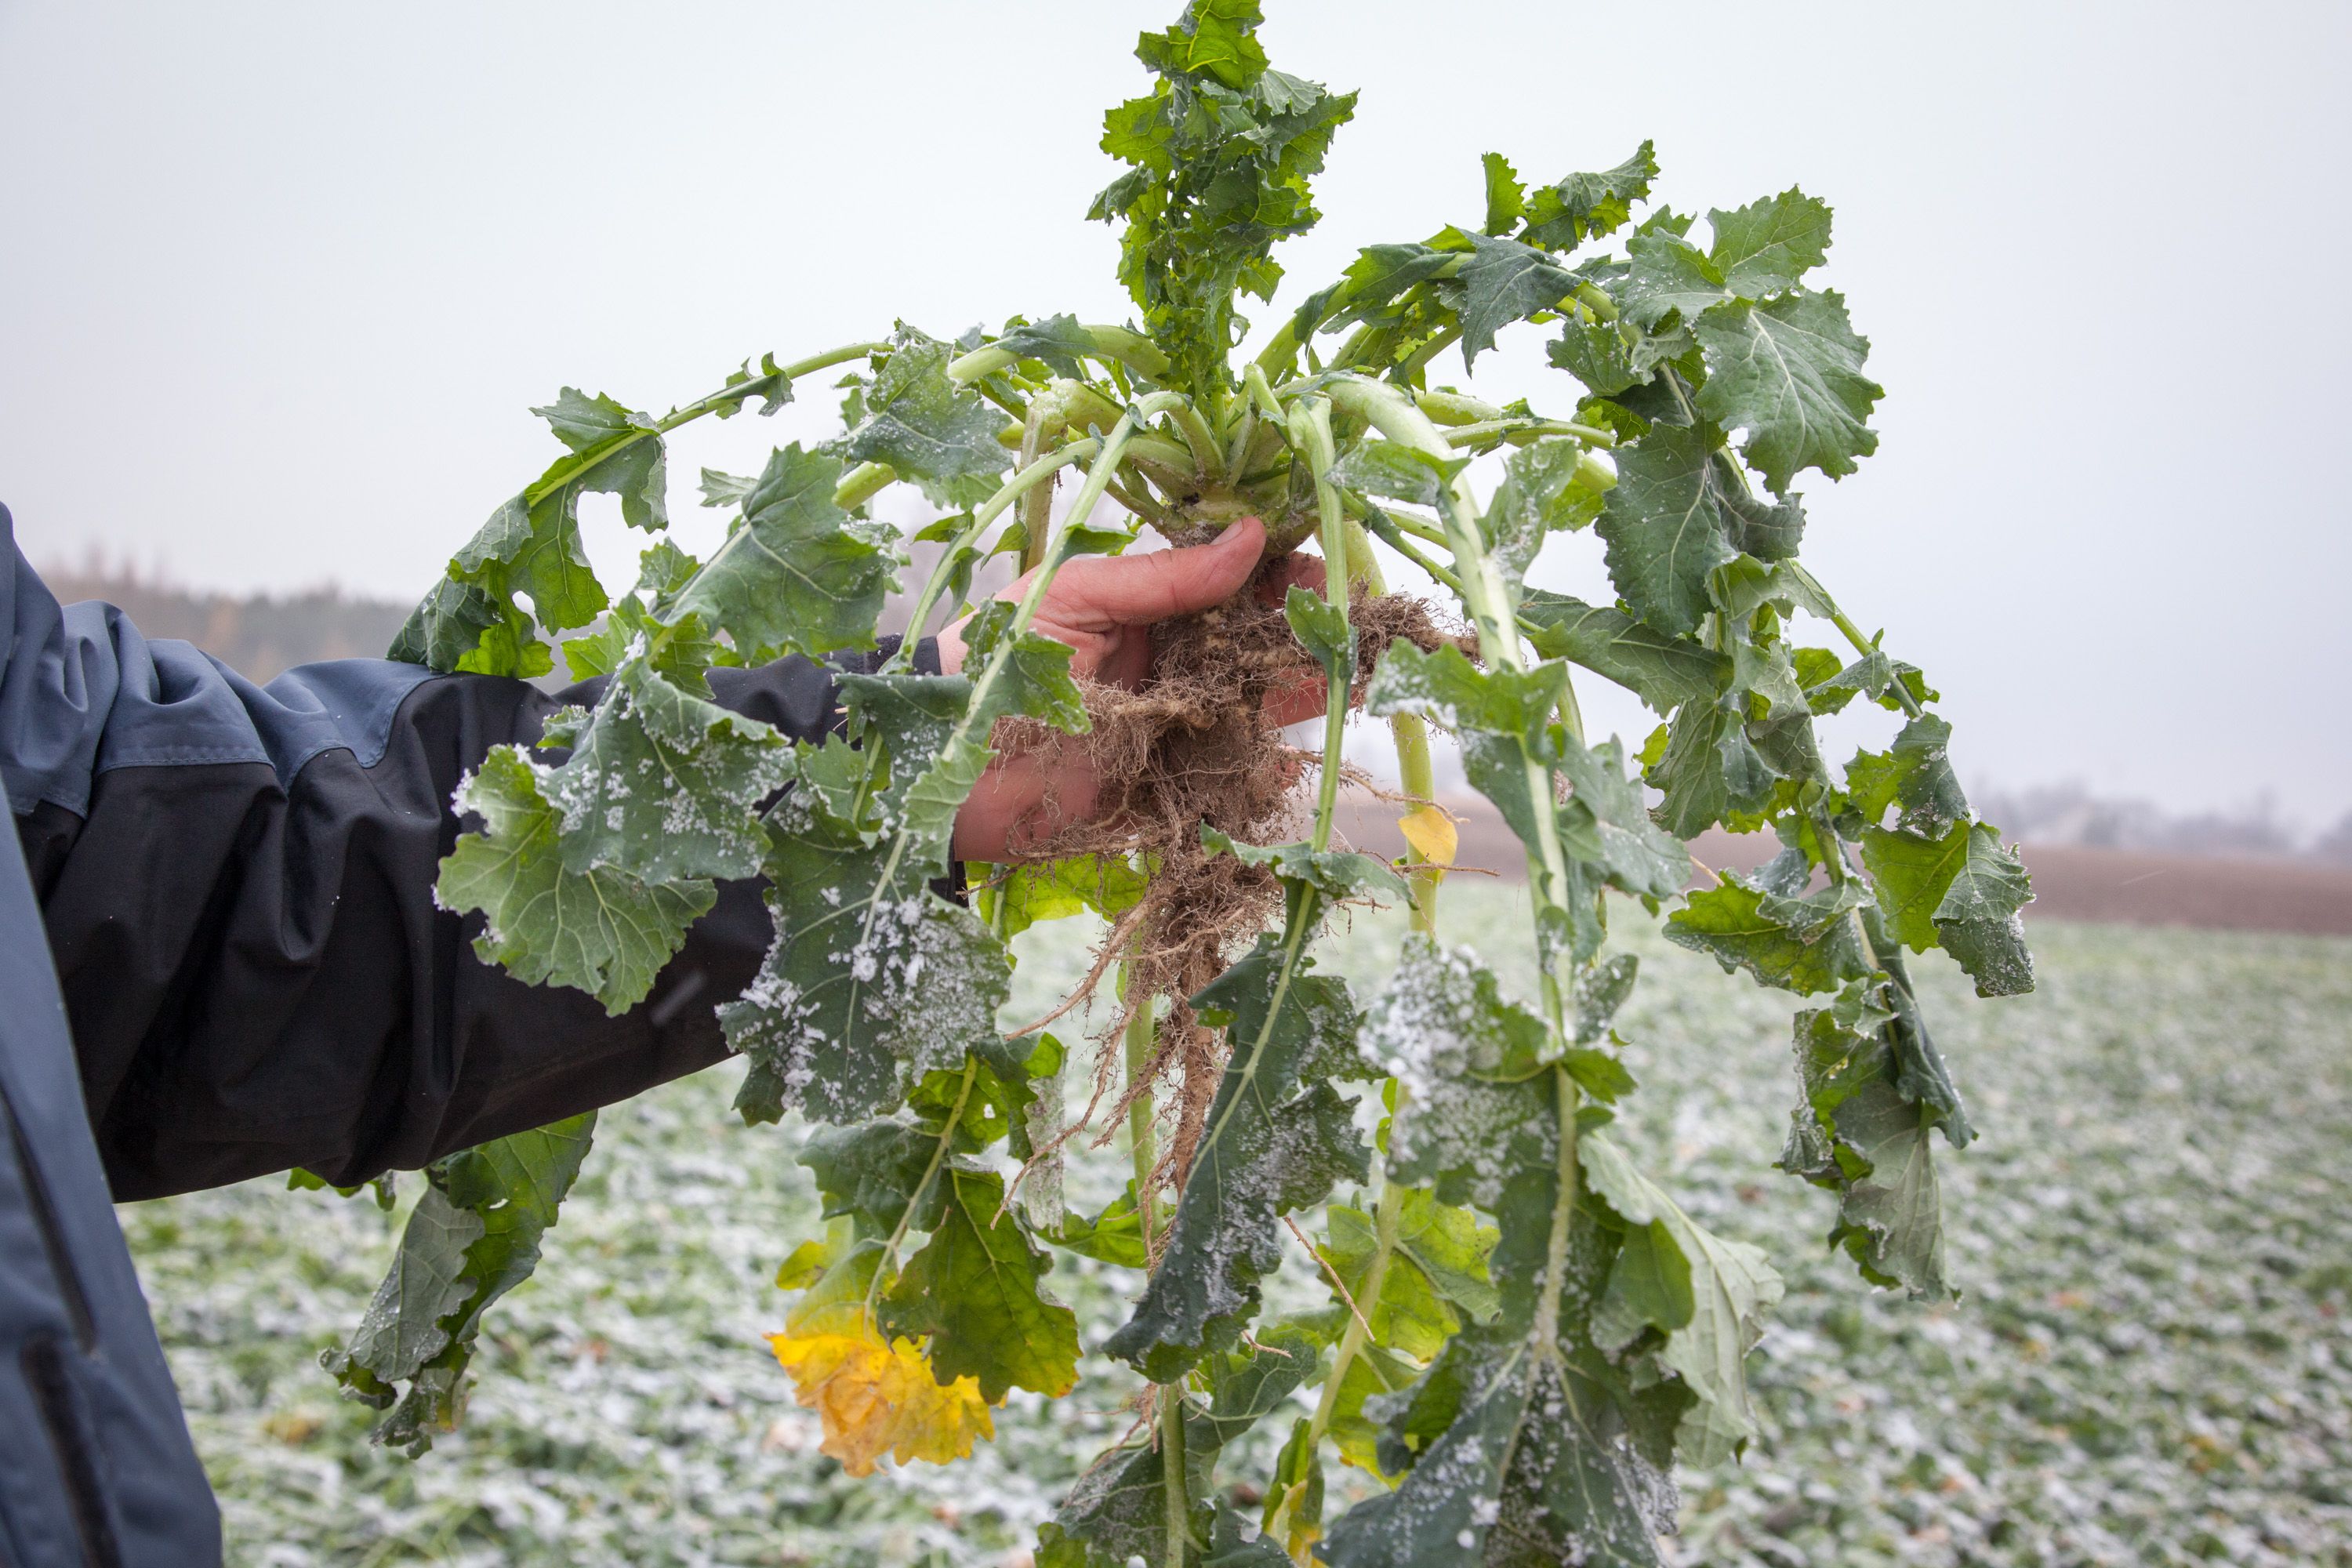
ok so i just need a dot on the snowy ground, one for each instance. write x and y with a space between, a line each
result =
2152 1364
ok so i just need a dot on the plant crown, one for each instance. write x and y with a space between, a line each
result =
1526 1330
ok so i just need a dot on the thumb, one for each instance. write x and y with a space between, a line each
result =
1137 589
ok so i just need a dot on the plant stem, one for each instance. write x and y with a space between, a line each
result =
1208 457
861 483
1851 632
1563 1215
990 511
1417 774
1463 435
915 1201
1172 1473
1488 598
729 398
1311 432
1386 1214
1141 1141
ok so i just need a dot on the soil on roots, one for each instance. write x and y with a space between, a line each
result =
1193 747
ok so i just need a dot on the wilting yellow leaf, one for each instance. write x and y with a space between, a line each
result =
874 1399
1431 834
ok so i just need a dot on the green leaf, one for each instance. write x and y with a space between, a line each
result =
1607 824
1380 275
1665 527
1586 206
1530 1462
1663 671
1979 919
1547 489
1505 197
1669 275
1473 1105
1337 874
473 1237
1708 1295
1216 38
1872 675
1802 944
624 450
1856 1133
1961 892
925 426
1594 354
601 930
1400 472
1322 629
1056 889
1767 246
1114 1236
1222 150
871 983
1789 372
664 784
973 1288
1914 776
1118 1510
1059 341
1505 281
794 576
1267 1149
870 1171
1435 1276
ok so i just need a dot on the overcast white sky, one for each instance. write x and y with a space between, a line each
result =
279 282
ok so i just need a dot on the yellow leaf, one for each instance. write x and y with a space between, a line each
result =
874 1399
1431 834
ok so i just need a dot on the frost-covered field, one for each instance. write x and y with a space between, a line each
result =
2153 1364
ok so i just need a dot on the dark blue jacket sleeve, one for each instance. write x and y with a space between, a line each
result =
236 888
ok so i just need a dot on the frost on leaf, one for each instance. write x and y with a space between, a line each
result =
1523 1442
602 930
867 985
1473 1105
1118 1510
1267 1149
1527 1462
925 428
473 1237
665 784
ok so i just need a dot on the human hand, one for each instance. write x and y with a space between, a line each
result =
1103 608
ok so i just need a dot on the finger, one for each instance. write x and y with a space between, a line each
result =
1292 571
1297 702
1137 589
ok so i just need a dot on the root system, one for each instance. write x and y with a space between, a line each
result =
1195 746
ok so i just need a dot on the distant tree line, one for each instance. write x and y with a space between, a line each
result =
259 635
2072 814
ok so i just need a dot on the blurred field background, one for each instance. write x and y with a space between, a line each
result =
2152 1362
